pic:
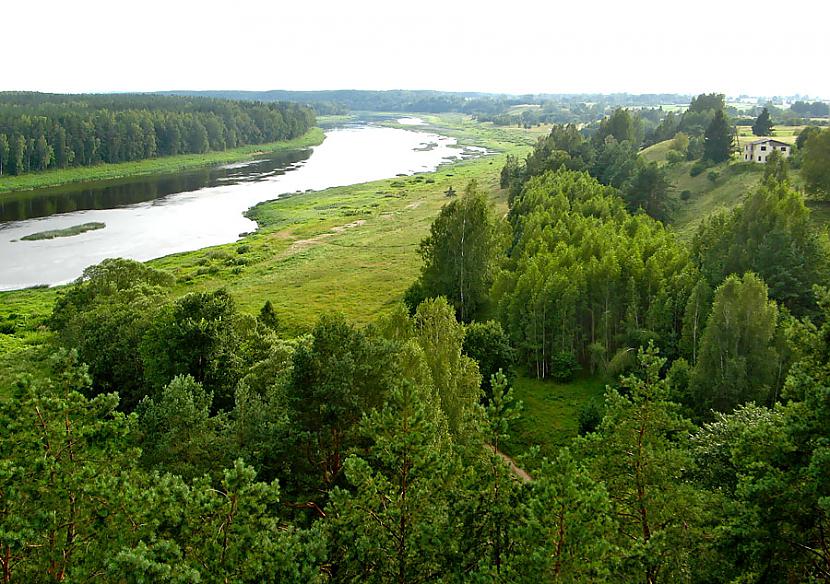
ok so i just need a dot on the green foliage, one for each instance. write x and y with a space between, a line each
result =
177 433
815 166
454 375
104 316
649 190
738 362
585 273
639 454
489 346
718 140
84 130
336 378
460 255
563 367
622 126
566 531
195 336
763 124
394 524
770 234
268 316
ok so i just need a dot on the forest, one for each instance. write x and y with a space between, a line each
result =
39 131
163 437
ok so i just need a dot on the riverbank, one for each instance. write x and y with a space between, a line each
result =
167 164
352 249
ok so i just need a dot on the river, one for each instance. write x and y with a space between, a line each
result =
153 216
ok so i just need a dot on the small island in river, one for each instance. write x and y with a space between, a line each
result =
67 232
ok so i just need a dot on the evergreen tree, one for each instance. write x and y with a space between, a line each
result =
717 142
763 124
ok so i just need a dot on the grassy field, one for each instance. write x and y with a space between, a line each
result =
167 164
350 249
787 134
550 417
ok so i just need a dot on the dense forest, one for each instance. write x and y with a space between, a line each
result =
180 440
161 437
39 131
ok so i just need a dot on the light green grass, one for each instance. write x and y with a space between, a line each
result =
735 181
786 134
656 152
550 417
68 232
167 164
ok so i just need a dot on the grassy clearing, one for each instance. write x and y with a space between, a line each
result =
68 232
167 164
550 417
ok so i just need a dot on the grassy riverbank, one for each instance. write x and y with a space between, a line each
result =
167 164
351 249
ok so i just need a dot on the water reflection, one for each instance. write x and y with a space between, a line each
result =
119 193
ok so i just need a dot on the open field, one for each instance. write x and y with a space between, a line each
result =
787 134
167 164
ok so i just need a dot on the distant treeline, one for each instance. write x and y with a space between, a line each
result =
40 130
482 104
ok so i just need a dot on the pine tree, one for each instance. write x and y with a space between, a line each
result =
763 124
717 143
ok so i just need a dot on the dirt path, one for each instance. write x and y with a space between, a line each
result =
515 468
303 244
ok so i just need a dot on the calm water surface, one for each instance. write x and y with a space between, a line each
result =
150 217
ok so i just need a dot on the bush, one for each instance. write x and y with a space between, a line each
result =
686 195
590 417
713 176
698 167
674 157
564 366
489 346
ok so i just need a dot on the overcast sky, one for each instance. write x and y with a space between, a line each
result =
640 46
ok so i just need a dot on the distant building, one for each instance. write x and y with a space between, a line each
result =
758 150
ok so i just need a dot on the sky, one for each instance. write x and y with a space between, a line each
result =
753 47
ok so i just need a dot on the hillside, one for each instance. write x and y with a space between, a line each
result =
734 180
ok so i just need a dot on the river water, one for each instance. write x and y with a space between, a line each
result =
153 216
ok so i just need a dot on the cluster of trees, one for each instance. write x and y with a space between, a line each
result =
372 455
40 131
816 109
610 155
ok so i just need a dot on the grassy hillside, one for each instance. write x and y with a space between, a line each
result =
734 180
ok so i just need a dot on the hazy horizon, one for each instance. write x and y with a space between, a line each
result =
532 48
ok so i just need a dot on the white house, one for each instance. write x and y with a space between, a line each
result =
758 150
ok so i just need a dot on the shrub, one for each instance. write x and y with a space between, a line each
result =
590 417
713 176
686 195
674 157
698 167
564 366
